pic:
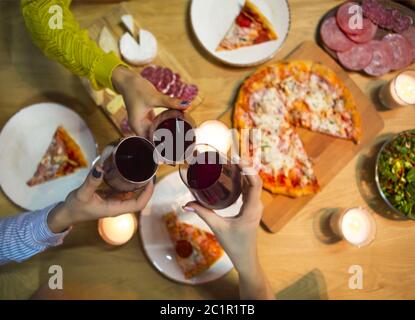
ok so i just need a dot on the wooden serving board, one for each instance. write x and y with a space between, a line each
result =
328 153
111 103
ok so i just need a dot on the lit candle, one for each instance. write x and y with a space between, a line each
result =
117 230
400 91
355 225
214 133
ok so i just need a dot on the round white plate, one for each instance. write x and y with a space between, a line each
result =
24 140
170 194
211 19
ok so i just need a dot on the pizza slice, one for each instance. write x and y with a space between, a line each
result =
321 103
196 250
63 157
249 28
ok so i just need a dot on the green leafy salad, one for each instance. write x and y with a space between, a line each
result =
396 172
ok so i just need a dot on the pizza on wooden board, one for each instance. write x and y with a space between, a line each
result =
249 28
63 157
284 95
196 249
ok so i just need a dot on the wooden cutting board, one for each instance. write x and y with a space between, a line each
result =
111 103
329 154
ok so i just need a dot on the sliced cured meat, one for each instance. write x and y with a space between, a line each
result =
382 59
368 32
401 49
167 78
173 89
387 18
409 34
347 19
169 83
333 37
148 71
357 58
189 92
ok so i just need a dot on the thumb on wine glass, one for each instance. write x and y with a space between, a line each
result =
209 216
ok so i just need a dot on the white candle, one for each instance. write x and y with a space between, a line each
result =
355 225
216 134
400 91
405 87
117 230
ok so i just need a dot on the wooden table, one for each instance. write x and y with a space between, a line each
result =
297 262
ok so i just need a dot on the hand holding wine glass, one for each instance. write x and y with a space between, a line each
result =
237 235
84 204
140 96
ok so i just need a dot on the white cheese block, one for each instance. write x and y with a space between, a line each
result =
138 54
107 42
128 22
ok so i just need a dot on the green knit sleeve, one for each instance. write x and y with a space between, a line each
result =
69 45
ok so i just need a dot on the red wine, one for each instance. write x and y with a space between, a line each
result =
178 129
213 184
134 160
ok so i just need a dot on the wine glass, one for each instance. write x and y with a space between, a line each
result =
214 181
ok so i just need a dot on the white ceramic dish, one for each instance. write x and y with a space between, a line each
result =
211 20
170 194
24 140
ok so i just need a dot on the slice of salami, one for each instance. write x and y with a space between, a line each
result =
333 37
347 18
387 18
174 87
409 34
166 79
357 58
148 71
189 92
382 59
401 49
368 32
179 90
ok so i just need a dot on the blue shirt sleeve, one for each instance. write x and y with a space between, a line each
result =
27 234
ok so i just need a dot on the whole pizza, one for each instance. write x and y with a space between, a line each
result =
280 97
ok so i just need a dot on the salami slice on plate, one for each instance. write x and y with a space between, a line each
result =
401 49
409 34
357 58
333 37
382 58
347 19
368 32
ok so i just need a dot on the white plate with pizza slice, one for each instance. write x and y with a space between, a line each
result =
25 140
169 195
252 30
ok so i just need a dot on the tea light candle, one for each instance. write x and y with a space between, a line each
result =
355 225
117 230
400 91
214 133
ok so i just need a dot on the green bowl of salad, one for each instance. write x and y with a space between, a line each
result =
395 173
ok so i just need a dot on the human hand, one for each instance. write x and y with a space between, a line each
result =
84 204
140 97
237 235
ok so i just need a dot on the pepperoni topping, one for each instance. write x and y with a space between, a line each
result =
184 248
357 58
243 21
347 19
333 37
